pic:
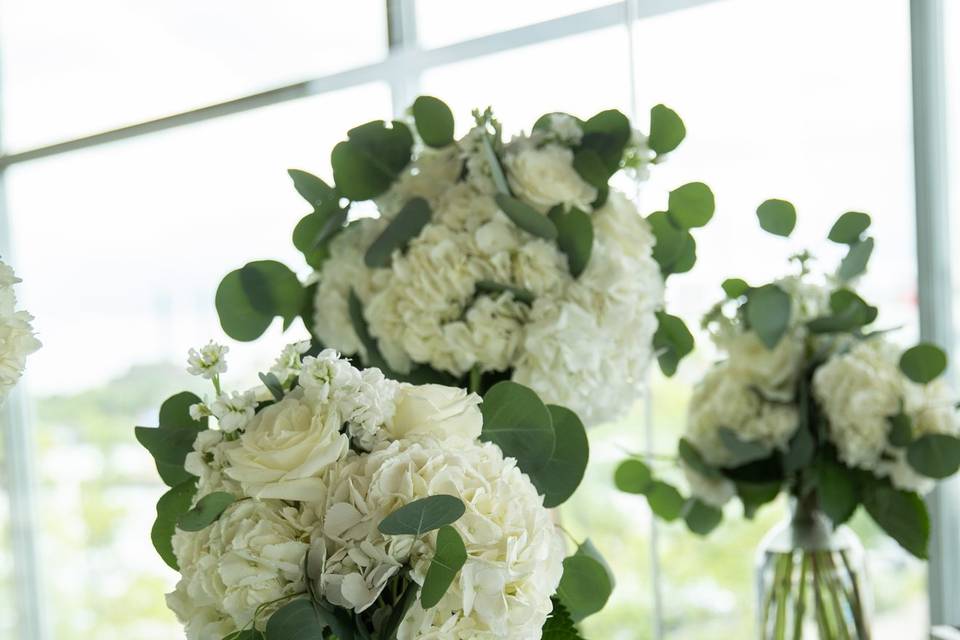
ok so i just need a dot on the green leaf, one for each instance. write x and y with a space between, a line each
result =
902 514
848 311
692 458
496 169
434 121
169 446
923 363
901 429
304 239
519 293
544 122
855 262
590 166
420 516
321 196
754 495
238 317
778 217
206 511
245 634
672 342
587 548
408 596
935 455
574 237
175 411
367 163
743 451
248 298
675 250
273 385
516 420
297 620
666 130
633 476
837 490
526 217
332 225
735 287
449 557
701 518
560 626
849 227
557 480
665 501
406 226
768 313
584 587
691 205
607 134
170 507
800 450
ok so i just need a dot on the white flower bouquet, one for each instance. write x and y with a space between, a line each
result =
812 401
17 339
332 502
488 259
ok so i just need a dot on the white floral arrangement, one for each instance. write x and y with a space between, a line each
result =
17 339
333 502
489 259
811 400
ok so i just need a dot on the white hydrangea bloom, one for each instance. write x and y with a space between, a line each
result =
369 407
544 177
715 492
252 555
860 390
233 410
17 339
723 400
514 551
209 361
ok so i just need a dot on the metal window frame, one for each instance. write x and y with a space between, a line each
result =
402 69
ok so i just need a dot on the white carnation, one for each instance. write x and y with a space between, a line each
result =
860 390
723 400
252 555
17 340
286 448
544 177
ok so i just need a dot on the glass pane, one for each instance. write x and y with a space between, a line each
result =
441 22
769 115
120 263
73 68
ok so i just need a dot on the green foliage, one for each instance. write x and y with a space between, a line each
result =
406 226
449 557
574 237
633 476
754 495
249 298
516 420
901 429
299 619
855 262
923 363
560 626
665 501
526 217
175 411
423 515
666 130
700 517
801 448
207 510
837 490
245 634
170 507
305 238
742 451
735 287
321 196
935 455
496 169
692 458
367 163
605 136
273 385
849 228
519 293
675 250
778 217
691 205
848 312
557 480
672 341
901 514
768 313
585 585
169 446
434 121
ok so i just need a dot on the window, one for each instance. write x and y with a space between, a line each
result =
779 101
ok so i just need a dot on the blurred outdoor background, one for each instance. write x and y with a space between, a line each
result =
121 242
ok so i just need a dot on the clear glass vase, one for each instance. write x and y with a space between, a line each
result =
811 581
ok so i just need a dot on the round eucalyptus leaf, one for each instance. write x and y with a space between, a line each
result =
300 619
923 363
935 455
449 556
768 313
849 227
584 587
171 505
206 511
735 287
855 262
633 476
901 514
574 237
778 217
672 341
559 478
516 420
666 130
664 500
701 518
691 205
591 167
367 163
238 317
175 411
434 121
321 196
420 516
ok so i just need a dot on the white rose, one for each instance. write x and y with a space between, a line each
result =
436 411
773 371
545 177
285 450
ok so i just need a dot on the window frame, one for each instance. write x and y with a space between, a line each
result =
402 69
